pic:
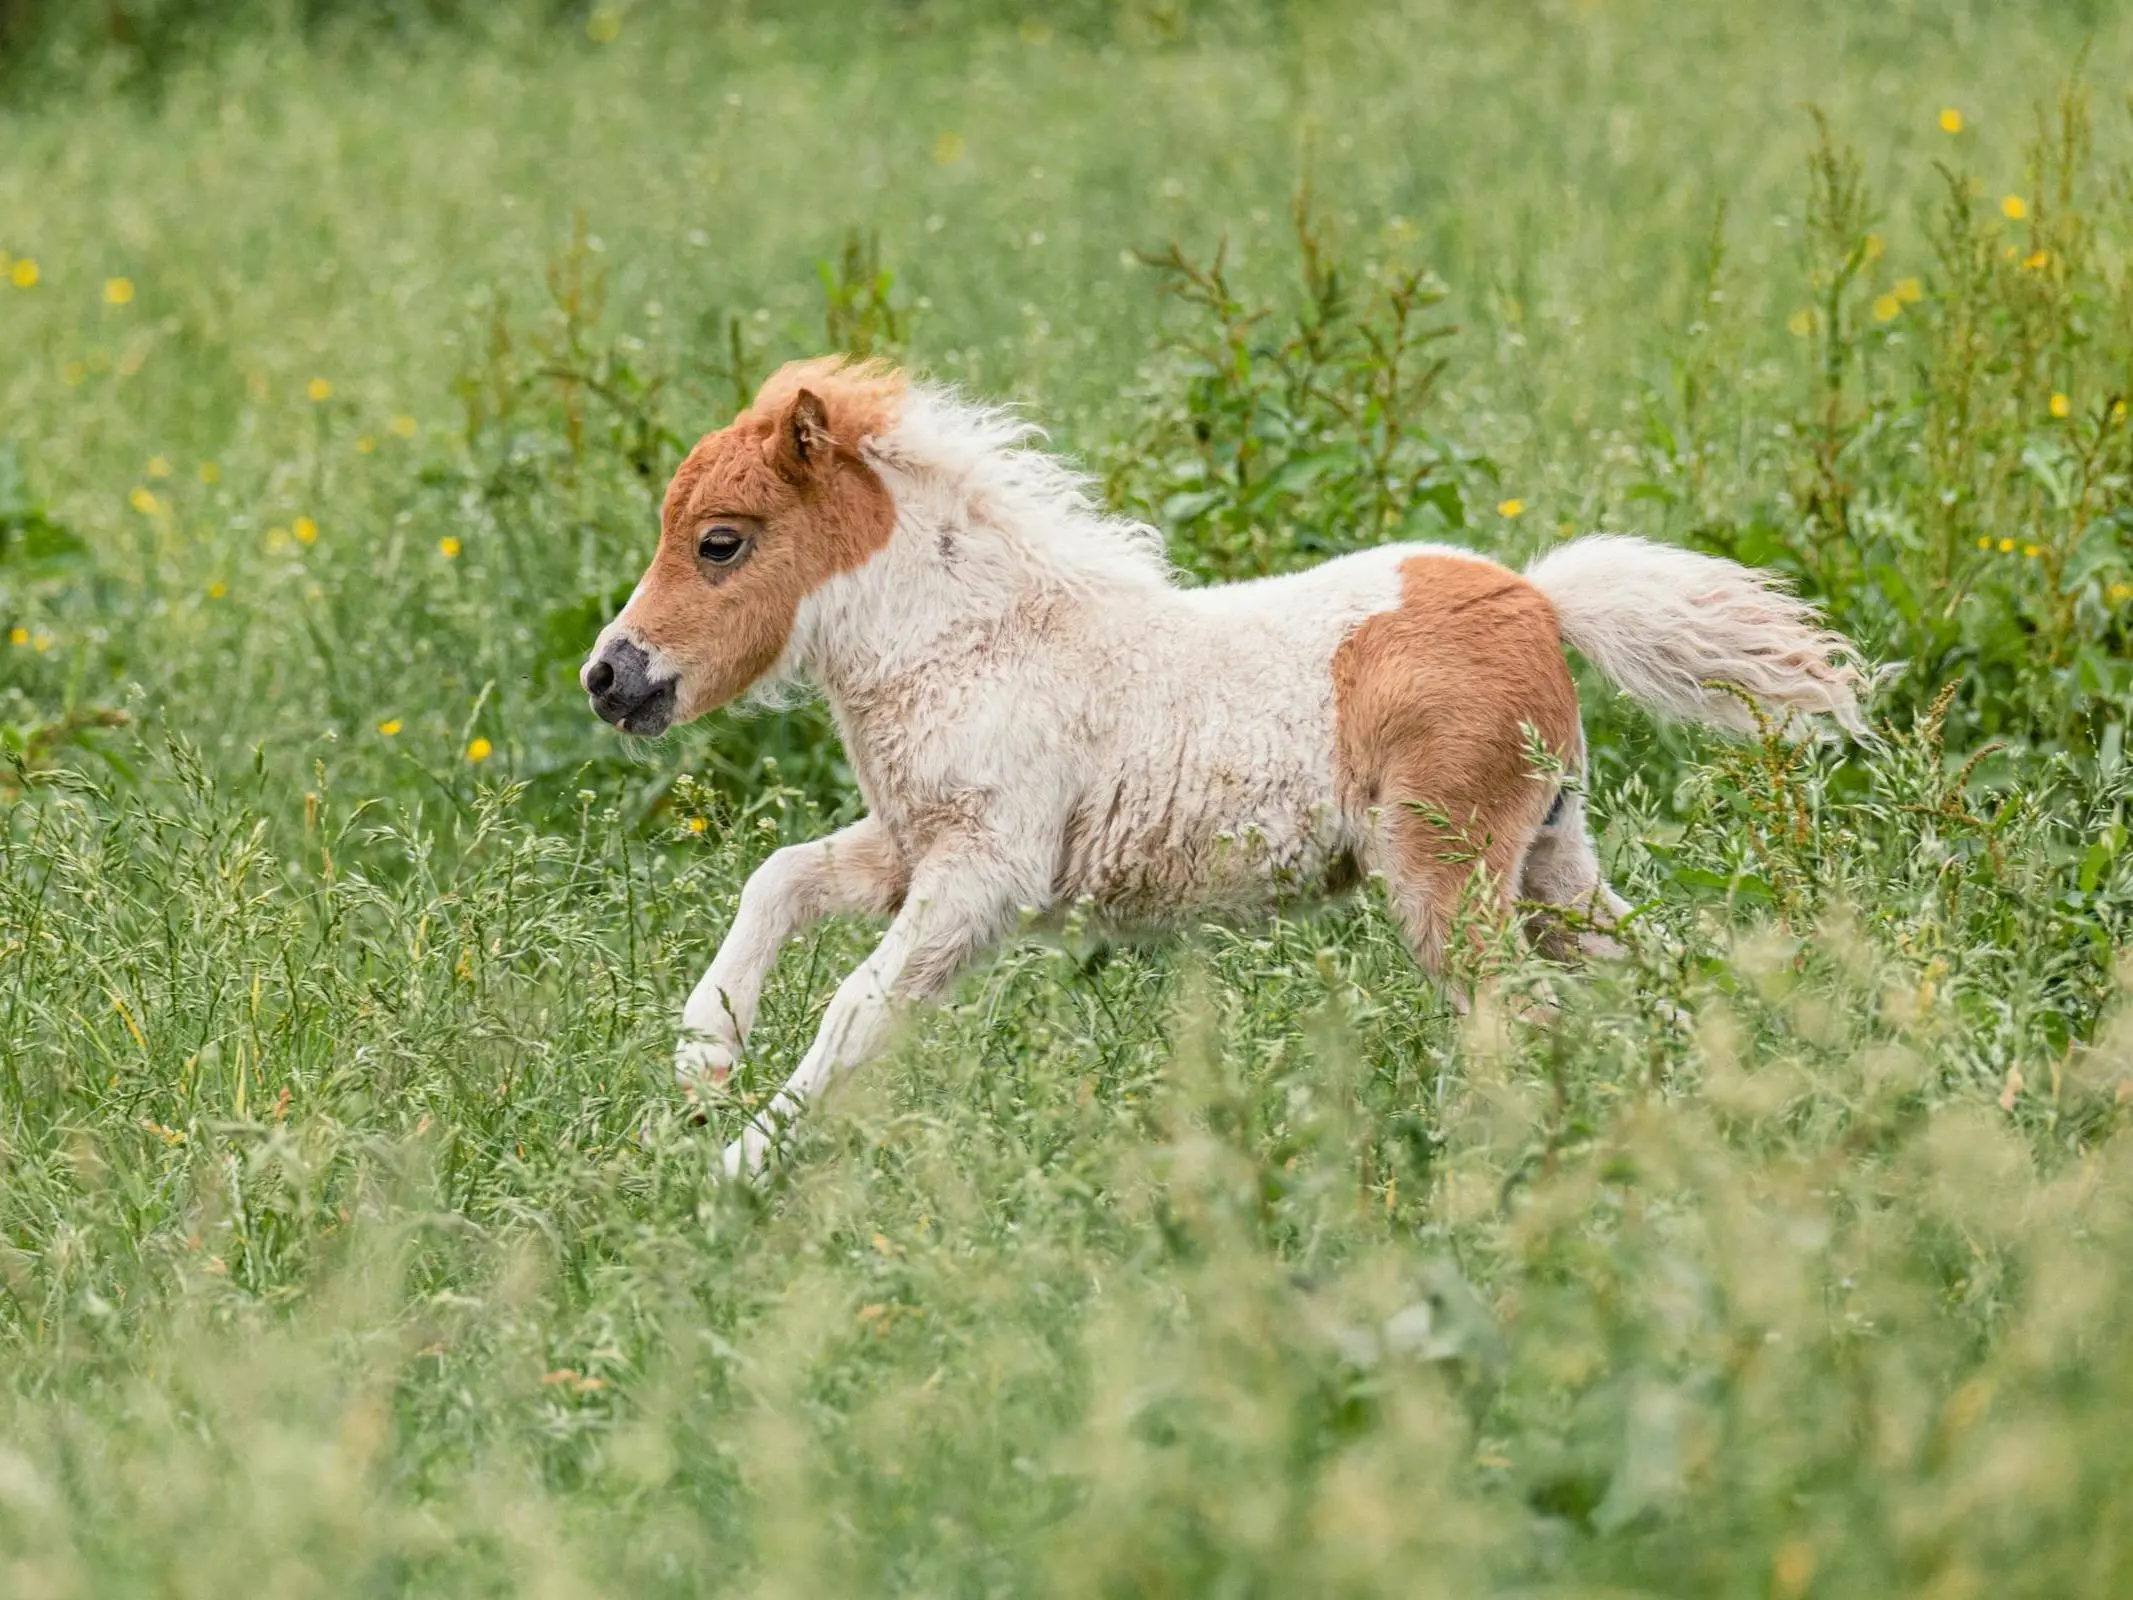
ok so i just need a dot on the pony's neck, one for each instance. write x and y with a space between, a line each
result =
996 547
947 587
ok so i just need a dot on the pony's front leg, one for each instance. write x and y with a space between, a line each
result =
952 912
855 869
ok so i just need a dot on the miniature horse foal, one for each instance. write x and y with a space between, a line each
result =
1040 717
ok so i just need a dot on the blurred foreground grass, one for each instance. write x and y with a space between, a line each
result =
348 1240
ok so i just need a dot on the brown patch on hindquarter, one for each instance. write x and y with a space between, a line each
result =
1430 703
788 470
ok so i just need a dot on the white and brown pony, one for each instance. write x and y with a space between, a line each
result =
1041 718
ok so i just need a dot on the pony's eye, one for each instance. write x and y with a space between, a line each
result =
720 546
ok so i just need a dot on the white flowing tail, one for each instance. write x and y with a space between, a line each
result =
1665 624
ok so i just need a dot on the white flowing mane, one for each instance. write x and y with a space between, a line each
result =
968 466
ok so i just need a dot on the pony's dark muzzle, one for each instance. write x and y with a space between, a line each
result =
619 679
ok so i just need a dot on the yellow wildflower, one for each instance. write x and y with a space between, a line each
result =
389 727
18 636
319 389
118 291
277 540
41 642
23 274
143 501
699 824
1801 323
158 467
2118 594
2061 406
365 444
1887 308
2118 411
210 472
305 529
449 547
403 426
217 589
480 750
1874 246
1984 541
1510 508
1908 291
2014 208
1951 120
2031 551
2007 547
2036 261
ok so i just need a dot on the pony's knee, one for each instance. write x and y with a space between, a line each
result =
777 878
798 883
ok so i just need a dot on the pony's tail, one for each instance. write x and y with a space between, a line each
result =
1667 625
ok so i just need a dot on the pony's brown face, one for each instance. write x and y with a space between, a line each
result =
760 515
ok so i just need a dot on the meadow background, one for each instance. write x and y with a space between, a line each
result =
350 1240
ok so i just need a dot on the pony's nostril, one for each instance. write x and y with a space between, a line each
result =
619 679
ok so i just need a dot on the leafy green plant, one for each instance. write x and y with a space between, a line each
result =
33 544
1276 434
1960 497
38 556
862 312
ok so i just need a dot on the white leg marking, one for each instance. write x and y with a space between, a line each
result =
955 909
853 870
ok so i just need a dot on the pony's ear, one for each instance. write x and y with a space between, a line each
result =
803 444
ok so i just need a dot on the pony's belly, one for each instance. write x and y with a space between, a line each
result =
1222 745
1144 855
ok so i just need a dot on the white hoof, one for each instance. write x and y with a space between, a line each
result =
701 1062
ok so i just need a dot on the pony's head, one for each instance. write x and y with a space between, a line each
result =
760 515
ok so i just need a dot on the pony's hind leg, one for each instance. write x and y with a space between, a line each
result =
1433 867
1438 705
1572 906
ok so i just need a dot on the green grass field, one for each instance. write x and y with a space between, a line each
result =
351 1240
